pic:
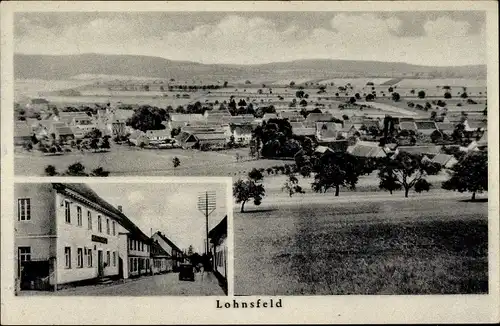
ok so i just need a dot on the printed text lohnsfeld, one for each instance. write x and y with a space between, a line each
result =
259 303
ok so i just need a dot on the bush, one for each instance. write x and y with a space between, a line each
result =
447 95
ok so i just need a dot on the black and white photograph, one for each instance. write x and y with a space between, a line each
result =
107 239
314 161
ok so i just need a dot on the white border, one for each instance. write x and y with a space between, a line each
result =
305 309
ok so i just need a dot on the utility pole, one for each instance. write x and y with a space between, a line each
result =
206 205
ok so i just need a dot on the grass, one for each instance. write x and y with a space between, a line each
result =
389 247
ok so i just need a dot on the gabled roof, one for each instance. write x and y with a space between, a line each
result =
420 149
87 192
167 240
483 141
157 250
242 129
183 136
136 134
219 231
39 101
297 124
268 116
406 125
474 124
319 117
426 125
63 130
328 129
371 123
444 126
442 159
210 136
178 117
304 131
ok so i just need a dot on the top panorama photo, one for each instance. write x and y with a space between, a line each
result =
226 93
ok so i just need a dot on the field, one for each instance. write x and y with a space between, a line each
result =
125 160
362 245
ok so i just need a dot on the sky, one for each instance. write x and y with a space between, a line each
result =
170 208
438 38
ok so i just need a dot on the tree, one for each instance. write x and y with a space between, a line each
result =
292 185
303 103
433 115
464 95
292 83
388 180
396 97
105 143
176 162
421 94
370 97
336 170
447 95
470 174
243 191
76 169
190 250
99 172
51 171
405 169
149 118
300 93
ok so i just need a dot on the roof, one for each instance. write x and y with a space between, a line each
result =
304 131
186 117
406 125
444 126
219 231
158 133
406 119
39 101
242 129
63 130
297 124
322 149
328 129
183 136
442 158
426 125
167 240
85 191
268 116
319 117
474 124
483 141
336 145
210 136
371 123
367 149
158 250
22 130
136 134
420 149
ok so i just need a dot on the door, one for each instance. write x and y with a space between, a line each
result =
120 267
100 263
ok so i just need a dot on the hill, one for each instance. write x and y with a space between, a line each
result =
60 67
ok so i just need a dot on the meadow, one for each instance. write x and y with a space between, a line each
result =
362 245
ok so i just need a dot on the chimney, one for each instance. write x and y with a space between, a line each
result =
120 208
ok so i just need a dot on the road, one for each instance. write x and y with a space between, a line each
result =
205 284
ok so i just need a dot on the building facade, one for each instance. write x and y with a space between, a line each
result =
218 241
177 257
66 233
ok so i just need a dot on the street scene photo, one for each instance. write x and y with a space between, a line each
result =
356 144
127 239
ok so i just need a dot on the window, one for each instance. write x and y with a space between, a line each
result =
24 209
130 244
107 226
99 223
89 257
79 258
89 220
135 245
114 258
67 211
147 263
114 228
67 257
131 265
108 258
24 254
79 216
147 248
142 246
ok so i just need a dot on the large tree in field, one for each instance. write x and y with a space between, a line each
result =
405 171
245 190
336 170
291 185
470 174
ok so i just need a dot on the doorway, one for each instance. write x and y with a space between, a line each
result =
100 266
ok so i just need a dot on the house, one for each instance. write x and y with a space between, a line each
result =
63 133
445 128
426 128
69 118
22 133
218 243
408 126
158 136
349 130
445 160
161 260
328 130
186 139
420 150
38 104
319 117
66 234
367 149
242 133
177 120
211 140
304 132
138 138
474 125
335 145
176 254
292 116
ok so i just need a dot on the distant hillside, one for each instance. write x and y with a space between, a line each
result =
68 66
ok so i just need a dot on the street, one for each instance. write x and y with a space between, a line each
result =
165 284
